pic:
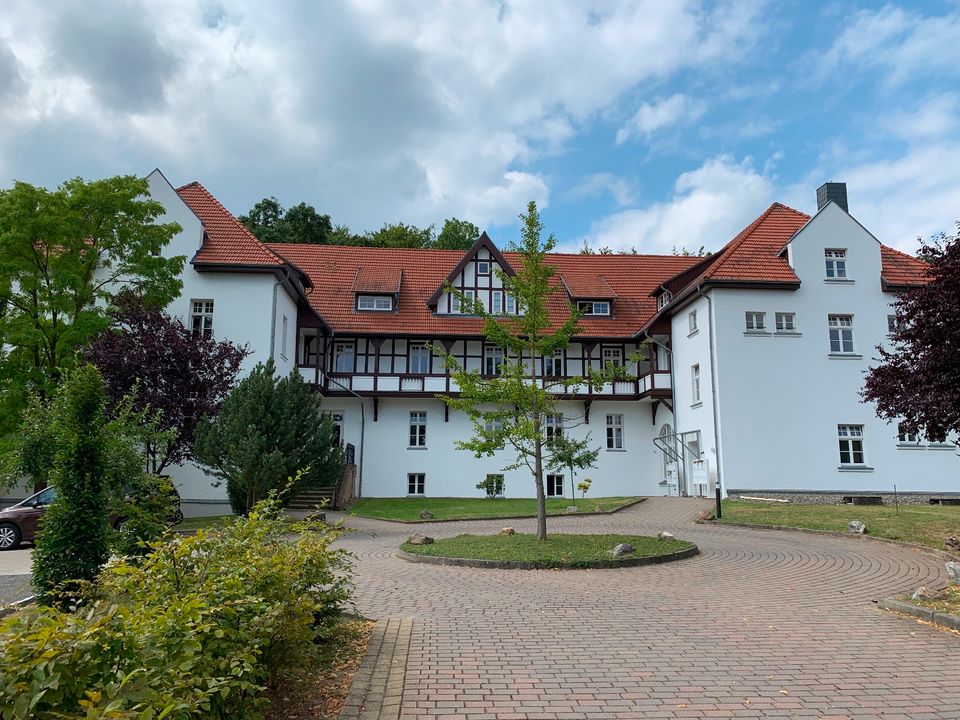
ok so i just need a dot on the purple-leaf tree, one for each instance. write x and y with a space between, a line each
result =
917 382
178 374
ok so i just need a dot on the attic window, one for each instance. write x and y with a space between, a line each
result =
594 307
664 299
483 267
374 302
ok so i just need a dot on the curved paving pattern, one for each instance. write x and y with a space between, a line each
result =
760 624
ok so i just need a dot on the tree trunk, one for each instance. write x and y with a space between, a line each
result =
541 497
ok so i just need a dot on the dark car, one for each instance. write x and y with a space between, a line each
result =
19 523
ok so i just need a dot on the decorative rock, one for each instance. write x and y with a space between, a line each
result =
664 535
622 549
922 593
704 515
857 527
953 571
317 516
418 539
572 509
507 531
425 515
952 543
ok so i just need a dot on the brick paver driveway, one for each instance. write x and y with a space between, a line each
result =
761 624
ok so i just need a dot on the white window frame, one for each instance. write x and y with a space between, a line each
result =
552 426
416 483
501 483
907 438
481 263
510 303
615 431
420 351
201 317
692 322
338 354
755 321
892 324
418 429
850 438
496 302
470 296
785 322
494 425
336 419
841 334
612 355
553 366
374 303
493 360
664 299
695 384
835 260
554 485
594 307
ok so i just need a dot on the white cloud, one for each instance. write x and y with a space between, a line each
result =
935 117
603 183
650 117
374 111
708 207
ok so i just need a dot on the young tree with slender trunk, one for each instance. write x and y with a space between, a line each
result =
511 407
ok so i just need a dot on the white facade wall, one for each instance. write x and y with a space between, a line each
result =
782 396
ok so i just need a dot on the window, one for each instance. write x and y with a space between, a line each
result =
614 432
201 317
416 483
418 428
695 383
495 481
836 261
553 425
374 302
851 444
483 267
841 333
594 307
496 300
553 364
892 324
692 322
511 305
419 359
343 357
283 338
907 437
786 322
664 299
336 419
311 354
554 485
468 298
493 425
454 303
613 356
492 360
756 321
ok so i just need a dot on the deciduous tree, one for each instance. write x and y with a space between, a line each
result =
457 235
917 380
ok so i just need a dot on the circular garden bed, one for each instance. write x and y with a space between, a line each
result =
525 552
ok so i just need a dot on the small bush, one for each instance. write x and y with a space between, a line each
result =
197 629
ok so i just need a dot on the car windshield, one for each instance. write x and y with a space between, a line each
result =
44 497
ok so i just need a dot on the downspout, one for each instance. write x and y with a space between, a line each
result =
273 318
363 420
713 386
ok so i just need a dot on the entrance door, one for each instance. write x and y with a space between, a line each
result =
670 467
692 463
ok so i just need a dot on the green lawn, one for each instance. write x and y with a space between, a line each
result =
556 550
927 525
408 509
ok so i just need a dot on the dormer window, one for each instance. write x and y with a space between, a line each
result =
382 303
836 262
664 299
594 307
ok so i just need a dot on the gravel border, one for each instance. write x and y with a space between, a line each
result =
938 618
534 565
498 517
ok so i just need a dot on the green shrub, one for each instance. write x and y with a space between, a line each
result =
197 629
145 508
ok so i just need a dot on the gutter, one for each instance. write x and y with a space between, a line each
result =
713 387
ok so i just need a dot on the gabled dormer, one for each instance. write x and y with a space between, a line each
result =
590 294
477 278
377 289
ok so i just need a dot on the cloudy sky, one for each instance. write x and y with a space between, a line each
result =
649 124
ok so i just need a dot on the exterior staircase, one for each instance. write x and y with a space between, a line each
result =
312 499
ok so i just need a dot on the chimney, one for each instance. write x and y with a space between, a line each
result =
832 191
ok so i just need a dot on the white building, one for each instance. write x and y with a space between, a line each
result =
753 356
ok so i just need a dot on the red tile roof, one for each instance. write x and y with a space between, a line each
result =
226 240
582 286
377 280
333 268
901 270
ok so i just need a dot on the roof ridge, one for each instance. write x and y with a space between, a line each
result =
742 236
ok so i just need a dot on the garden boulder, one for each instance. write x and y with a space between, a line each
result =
953 572
420 539
426 515
857 527
507 531
664 535
622 549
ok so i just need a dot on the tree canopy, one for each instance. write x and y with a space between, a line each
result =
917 380
64 253
176 374
299 224
457 235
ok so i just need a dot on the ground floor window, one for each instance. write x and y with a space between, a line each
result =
416 483
851 444
336 419
907 437
554 485
493 484
615 432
